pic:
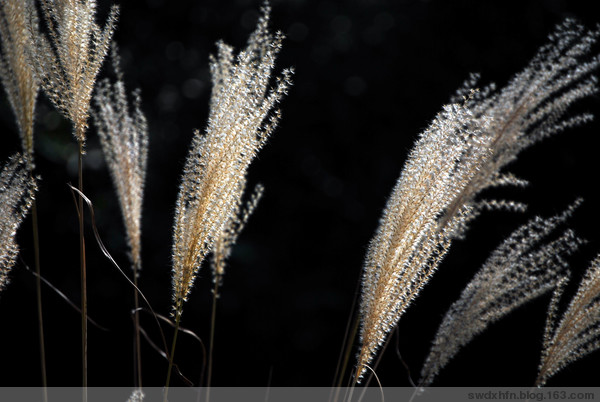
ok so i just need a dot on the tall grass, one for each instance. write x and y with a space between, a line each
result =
17 20
124 137
462 153
17 190
242 117
442 188
67 62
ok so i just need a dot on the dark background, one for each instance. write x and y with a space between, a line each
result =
370 75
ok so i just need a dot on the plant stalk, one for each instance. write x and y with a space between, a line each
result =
84 333
178 313
212 337
348 351
352 327
138 353
38 289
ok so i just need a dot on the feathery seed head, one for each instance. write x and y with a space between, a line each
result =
462 153
17 190
241 118
69 60
124 138
411 238
18 18
578 332
232 229
523 267
533 104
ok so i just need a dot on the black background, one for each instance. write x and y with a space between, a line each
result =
370 75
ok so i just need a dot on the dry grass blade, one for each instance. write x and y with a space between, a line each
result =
578 332
523 267
17 19
241 118
69 61
124 137
462 153
17 191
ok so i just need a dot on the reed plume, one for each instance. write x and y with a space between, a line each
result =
17 19
124 138
578 331
462 153
525 266
68 61
17 192
221 252
67 64
232 229
242 116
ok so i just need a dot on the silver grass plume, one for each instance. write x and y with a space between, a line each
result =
409 244
531 107
578 331
68 62
124 137
17 19
241 118
17 191
232 229
525 266
462 153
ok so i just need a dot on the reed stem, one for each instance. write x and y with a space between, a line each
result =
38 289
352 327
348 351
84 333
178 313
212 337
138 353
